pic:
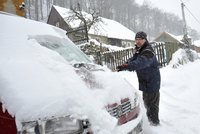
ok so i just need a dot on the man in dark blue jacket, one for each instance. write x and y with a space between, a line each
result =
145 64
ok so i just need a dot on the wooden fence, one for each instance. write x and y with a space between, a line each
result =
115 58
162 50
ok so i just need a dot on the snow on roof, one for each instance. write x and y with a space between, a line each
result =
65 13
197 43
178 38
106 27
113 29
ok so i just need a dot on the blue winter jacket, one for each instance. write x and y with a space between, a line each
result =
145 64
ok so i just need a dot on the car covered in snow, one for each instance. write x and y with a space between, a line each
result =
48 86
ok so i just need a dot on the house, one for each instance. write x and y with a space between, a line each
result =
168 37
105 31
172 43
58 19
176 41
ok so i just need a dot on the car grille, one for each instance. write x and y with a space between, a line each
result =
118 110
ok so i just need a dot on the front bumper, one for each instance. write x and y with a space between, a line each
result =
129 116
58 125
132 126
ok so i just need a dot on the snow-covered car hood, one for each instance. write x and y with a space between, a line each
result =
37 82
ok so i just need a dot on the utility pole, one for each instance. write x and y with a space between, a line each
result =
187 41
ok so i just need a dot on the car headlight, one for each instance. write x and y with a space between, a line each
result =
61 125
28 127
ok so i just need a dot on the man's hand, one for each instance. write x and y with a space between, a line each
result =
122 67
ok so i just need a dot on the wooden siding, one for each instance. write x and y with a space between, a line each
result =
101 39
197 49
56 19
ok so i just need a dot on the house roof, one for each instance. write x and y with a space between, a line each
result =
106 27
173 37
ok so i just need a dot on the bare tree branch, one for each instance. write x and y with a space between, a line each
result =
87 19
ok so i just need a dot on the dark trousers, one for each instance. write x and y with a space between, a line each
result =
151 103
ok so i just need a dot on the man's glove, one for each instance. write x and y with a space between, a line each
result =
122 67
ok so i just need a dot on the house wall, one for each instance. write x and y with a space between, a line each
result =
112 41
56 20
101 39
128 43
78 35
170 49
115 42
197 49
166 38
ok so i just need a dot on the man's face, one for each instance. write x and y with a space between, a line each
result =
139 42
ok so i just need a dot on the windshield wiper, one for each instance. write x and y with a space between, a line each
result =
79 65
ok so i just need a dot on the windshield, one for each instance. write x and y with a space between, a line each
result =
64 47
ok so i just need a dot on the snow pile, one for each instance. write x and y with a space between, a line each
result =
183 56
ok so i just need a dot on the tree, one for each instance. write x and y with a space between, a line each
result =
132 15
36 10
87 20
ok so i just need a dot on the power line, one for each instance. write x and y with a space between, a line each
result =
185 1
193 15
190 11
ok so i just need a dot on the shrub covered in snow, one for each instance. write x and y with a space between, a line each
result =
183 56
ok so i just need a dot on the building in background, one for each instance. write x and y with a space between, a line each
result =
106 31
175 41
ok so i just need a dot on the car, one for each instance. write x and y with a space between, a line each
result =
48 85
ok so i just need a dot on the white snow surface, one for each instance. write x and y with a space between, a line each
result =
197 43
180 90
179 98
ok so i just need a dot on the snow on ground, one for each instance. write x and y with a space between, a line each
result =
179 102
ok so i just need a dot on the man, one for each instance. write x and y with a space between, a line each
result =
145 64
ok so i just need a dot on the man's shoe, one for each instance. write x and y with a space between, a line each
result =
154 123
